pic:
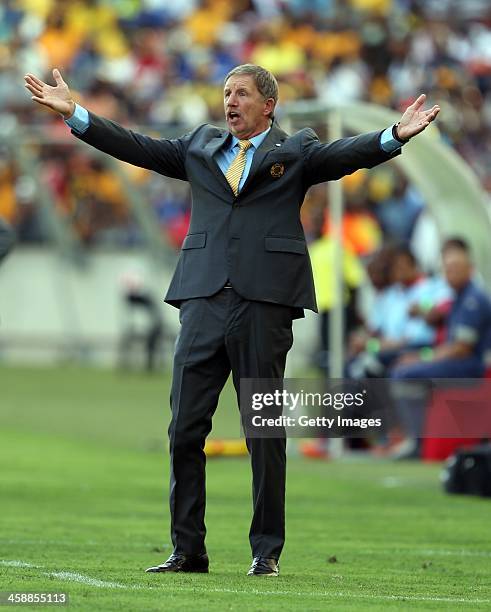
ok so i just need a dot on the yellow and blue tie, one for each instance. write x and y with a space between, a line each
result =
236 168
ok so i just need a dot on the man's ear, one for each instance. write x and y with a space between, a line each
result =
269 106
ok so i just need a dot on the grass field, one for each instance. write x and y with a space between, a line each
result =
83 507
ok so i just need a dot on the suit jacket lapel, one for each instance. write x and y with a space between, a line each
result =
210 150
275 136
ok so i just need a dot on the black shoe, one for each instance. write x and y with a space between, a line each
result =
182 563
264 566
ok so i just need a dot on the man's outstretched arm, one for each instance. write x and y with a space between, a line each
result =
160 155
331 161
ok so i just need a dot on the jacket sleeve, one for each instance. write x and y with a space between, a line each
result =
161 155
327 162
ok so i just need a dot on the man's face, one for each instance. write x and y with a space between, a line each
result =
246 111
403 270
457 267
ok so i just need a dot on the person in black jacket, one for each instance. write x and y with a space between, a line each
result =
243 274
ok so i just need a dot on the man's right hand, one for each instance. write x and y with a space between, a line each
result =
58 99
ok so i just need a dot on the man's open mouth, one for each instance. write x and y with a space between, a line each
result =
232 115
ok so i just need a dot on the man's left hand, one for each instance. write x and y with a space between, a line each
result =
416 119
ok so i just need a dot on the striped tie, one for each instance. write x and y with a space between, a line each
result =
234 173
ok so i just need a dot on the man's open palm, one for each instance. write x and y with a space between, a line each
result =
57 98
416 119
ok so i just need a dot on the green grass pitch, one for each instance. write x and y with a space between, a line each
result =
83 509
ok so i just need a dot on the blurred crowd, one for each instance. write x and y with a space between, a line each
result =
160 65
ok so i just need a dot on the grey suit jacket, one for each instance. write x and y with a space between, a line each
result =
255 240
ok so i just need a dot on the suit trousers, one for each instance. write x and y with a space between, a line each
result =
221 334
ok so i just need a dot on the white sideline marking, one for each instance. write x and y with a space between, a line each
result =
70 576
75 577
461 553
16 564
424 551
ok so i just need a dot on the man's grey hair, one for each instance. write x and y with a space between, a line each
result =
265 82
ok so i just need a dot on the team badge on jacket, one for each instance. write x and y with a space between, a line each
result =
277 170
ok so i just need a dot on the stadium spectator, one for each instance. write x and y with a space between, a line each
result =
398 212
322 253
396 324
461 355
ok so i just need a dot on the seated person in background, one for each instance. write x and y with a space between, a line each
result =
396 323
461 353
361 341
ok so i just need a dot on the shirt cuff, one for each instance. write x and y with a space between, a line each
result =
388 143
79 122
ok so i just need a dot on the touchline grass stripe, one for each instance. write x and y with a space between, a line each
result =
95 582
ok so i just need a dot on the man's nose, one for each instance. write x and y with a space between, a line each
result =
232 100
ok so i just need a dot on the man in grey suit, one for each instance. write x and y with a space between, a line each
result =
243 275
